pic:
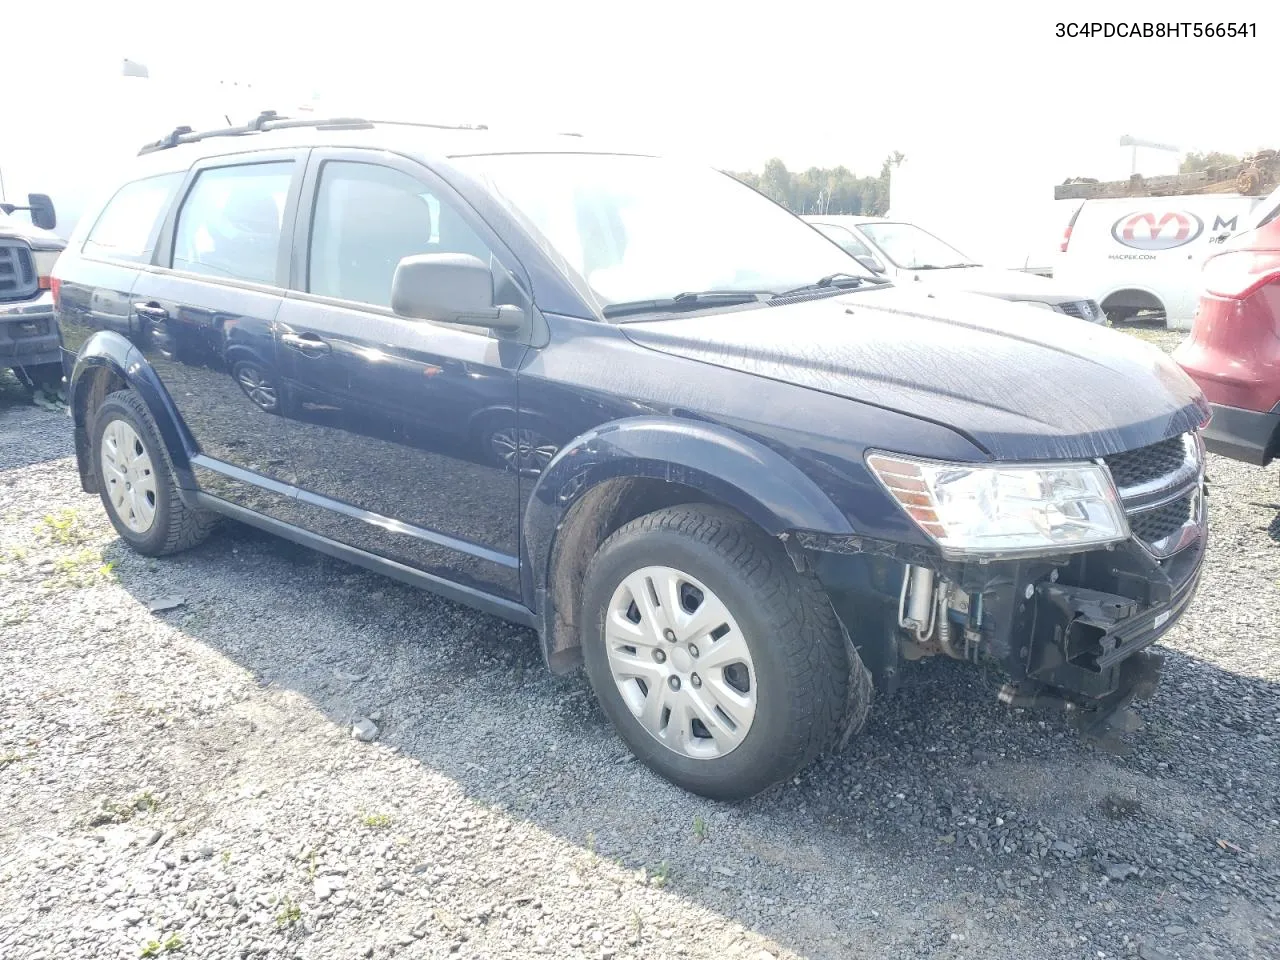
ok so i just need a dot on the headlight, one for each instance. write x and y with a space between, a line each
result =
1034 303
1005 509
45 259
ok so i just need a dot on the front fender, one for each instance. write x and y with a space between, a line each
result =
108 355
731 468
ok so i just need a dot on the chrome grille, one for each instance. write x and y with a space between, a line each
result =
1147 464
1159 486
1152 526
17 271
1083 309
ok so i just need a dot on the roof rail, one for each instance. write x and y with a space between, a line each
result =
270 120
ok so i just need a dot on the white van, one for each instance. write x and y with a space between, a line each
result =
1144 253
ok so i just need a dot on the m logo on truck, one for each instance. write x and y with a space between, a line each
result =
1143 231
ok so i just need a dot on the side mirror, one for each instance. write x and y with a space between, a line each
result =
871 263
42 212
450 288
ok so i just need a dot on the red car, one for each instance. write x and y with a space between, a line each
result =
1233 352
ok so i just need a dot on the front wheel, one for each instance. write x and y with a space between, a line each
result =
723 669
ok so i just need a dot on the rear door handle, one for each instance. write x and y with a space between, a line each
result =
307 343
151 311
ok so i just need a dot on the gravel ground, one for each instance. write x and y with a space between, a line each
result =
186 781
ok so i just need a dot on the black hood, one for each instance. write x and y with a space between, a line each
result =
1018 387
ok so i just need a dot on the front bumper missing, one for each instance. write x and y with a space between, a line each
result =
1081 636
1068 623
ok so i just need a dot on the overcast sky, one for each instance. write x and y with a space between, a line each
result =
732 83
816 83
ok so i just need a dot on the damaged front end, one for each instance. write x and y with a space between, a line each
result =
1069 628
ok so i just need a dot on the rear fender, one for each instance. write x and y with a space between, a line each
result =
108 355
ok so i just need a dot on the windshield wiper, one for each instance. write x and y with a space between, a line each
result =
684 301
945 266
836 281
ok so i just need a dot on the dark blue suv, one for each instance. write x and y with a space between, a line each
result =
638 407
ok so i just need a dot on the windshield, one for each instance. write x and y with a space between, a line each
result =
911 248
848 242
643 228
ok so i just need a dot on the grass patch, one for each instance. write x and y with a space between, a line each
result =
78 561
658 876
83 568
376 821
288 914
65 527
116 811
169 944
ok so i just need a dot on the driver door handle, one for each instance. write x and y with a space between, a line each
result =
307 343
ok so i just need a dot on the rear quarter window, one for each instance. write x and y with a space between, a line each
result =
129 225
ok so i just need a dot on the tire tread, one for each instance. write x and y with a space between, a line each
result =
186 527
803 623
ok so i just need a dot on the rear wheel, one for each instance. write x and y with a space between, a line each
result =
136 480
723 669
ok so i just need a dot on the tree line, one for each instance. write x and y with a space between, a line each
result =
1194 161
824 189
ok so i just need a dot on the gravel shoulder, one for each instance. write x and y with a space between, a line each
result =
185 782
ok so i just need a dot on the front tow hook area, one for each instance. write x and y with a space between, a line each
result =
1139 676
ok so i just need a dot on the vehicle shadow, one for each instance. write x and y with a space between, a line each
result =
29 434
975 809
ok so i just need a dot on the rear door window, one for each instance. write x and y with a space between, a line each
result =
230 223
129 225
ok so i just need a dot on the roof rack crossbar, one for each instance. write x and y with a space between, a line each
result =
270 120
431 126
